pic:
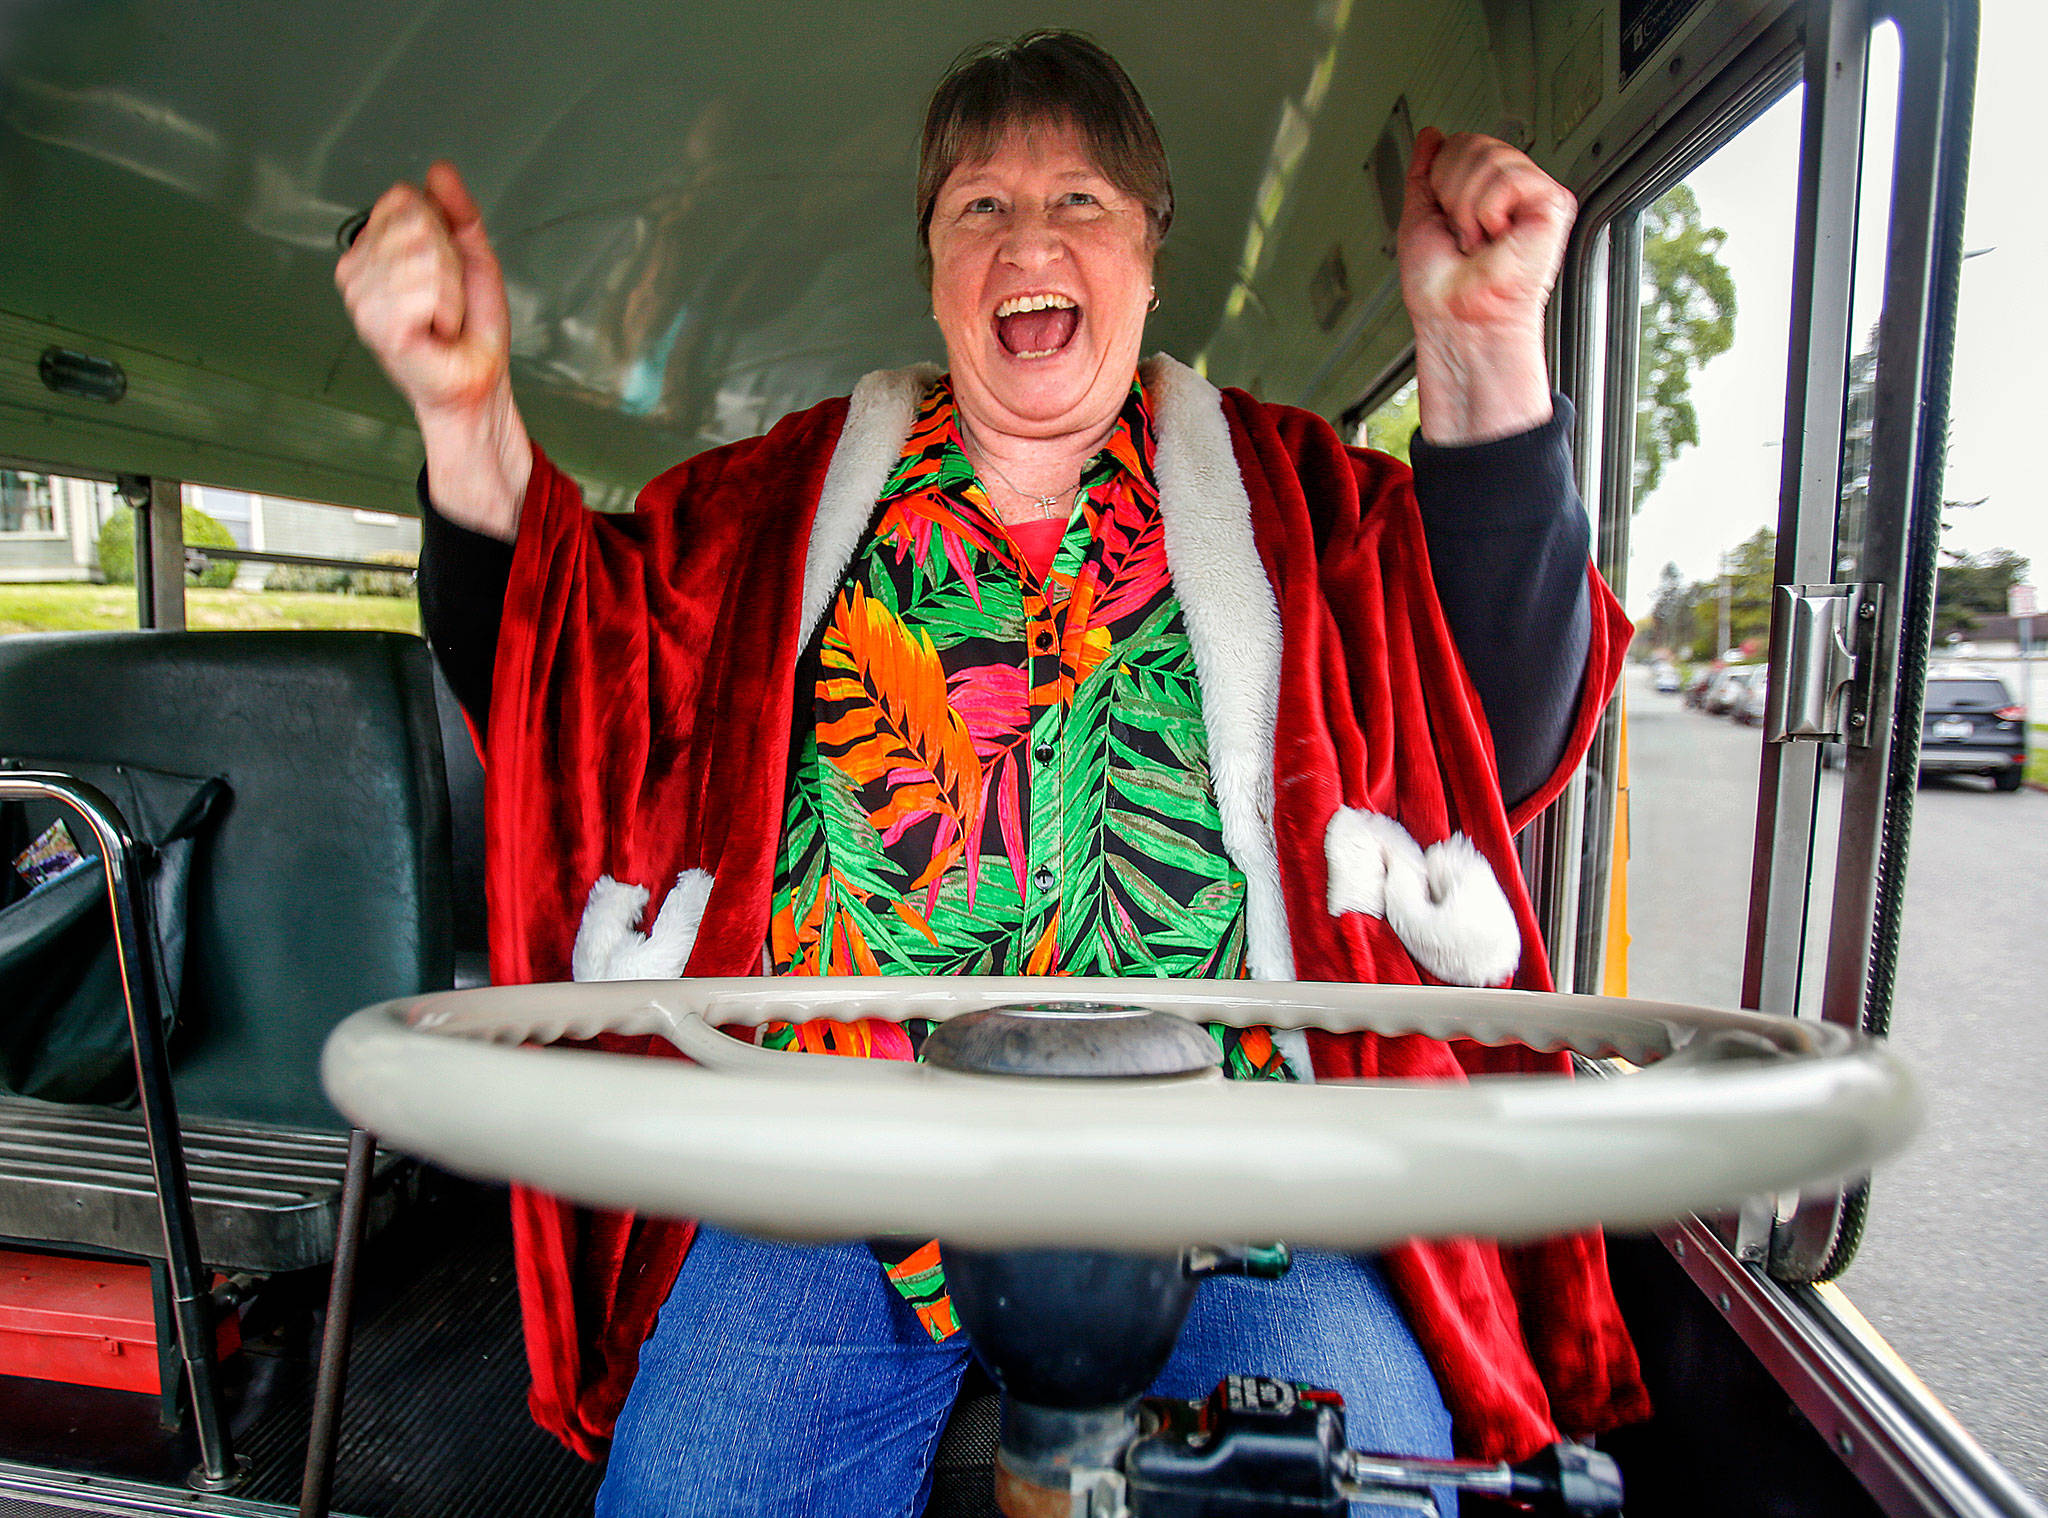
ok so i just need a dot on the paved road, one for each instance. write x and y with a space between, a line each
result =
1951 1268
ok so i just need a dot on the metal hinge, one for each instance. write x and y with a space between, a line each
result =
1820 683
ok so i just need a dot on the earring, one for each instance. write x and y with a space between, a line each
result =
1155 302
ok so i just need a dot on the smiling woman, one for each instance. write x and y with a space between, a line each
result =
1041 274
998 671
1043 194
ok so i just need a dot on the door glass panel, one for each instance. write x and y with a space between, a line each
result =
1716 300
1880 134
1948 1270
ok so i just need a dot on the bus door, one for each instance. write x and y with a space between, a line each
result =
1756 852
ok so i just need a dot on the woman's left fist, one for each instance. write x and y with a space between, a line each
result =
1482 234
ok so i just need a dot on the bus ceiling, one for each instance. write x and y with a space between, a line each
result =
704 224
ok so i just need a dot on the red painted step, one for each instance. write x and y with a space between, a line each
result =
87 1322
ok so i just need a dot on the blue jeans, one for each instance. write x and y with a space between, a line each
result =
794 1382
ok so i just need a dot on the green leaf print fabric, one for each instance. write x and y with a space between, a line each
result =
1005 775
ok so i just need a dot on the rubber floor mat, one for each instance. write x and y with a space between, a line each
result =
963 1469
435 1422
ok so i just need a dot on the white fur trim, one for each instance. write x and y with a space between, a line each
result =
1293 1046
1444 902
1234 629
608 916
609 944
878 419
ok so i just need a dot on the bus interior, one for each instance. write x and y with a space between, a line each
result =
704 218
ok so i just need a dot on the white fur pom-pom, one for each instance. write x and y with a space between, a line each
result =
1362 849
609 944
1454 917
1444 902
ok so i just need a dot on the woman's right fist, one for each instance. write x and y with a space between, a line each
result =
428 299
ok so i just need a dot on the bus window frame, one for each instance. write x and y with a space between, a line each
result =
1596 339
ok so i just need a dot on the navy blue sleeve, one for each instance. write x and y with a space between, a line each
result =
463 577
1508 542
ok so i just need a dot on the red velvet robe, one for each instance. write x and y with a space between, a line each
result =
640 724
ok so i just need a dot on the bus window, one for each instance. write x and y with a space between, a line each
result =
68 561
1390 425
306 566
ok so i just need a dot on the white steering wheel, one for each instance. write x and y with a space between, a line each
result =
802 1146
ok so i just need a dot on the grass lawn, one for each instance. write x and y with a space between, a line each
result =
62 608
2037 752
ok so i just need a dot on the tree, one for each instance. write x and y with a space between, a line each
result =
1752 572
117 548
1687 319
1671 624
1749 570
1971 587
1968 587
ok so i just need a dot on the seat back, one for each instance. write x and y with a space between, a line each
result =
465 774
326 884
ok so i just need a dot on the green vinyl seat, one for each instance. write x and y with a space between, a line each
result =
324 885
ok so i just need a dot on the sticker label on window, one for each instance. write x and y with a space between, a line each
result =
1644 26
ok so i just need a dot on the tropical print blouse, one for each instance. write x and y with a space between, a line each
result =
1004 775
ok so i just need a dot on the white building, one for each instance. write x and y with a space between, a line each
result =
50 526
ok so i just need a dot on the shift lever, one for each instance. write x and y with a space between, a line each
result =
1073 1338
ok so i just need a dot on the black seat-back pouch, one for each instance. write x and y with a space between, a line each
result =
63 1018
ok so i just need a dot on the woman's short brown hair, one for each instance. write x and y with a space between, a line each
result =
1045 78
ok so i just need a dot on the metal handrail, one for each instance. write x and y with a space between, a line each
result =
128 902
207 552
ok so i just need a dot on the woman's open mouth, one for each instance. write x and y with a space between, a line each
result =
1036 326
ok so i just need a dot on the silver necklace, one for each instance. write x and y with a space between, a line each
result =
1045 503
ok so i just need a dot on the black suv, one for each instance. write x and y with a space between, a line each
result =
1972 726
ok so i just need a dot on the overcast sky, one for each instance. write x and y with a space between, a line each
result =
1722 491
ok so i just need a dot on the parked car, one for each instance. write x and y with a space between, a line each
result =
1971 725
1728 687
1749 703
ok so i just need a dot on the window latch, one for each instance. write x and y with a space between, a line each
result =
1820 684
